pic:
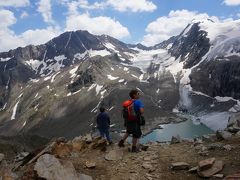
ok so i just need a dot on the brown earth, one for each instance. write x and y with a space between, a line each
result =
155 163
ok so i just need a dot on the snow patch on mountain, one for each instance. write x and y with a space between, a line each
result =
144 58
14 110
5 59
216 120
112 78
98 88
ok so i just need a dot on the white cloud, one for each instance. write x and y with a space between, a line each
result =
133 5
39 36
7 18
96 25
232 2
119 5
167 26
44 7
24 15
9 40
14 3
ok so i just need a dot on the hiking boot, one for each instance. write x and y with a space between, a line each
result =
134 149
110 142
121 143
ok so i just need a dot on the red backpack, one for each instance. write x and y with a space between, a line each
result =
128 110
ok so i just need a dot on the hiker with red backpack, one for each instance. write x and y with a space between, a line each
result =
133 119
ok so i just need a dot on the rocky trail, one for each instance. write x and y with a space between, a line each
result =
87 158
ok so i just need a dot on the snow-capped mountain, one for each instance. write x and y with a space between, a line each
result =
55 89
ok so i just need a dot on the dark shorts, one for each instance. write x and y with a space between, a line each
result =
134 129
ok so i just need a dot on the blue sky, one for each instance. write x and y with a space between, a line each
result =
147 21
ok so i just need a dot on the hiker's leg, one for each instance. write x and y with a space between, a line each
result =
121 142
108 135
125 136
134 141
101 133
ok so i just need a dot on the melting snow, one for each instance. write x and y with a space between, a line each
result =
91 87
216 120
103 52
54 76
73 71
111 77
125 69
111 108
121 80
70 94
36 95
24 123
224 99
134 76
5 59
98 89
14 111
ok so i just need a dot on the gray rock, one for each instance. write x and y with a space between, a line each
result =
88 138
175 139
218 176
193 170
216 167
21 156
233 129
180 166
90 164
237 134
84 177
147 165
227 147
51 168
2 156
61 140
209 138
206 164
223 135
114 155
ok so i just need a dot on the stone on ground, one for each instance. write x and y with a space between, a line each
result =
51 168
216 167
206 164
180 166
114 155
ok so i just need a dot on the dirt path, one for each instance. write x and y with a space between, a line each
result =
156 161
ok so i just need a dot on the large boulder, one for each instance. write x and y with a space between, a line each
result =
234 123
223 135
51 168
216 167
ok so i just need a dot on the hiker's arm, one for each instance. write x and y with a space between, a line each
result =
141 110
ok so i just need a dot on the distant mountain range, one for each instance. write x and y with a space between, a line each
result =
55 89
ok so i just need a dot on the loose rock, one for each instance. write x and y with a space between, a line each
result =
114 155
206 164
175 139
90 165
2 156
180 166
51 168
216 167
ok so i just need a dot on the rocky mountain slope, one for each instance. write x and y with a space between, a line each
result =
92 158
55 89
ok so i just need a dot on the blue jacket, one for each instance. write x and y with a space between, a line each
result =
103 121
